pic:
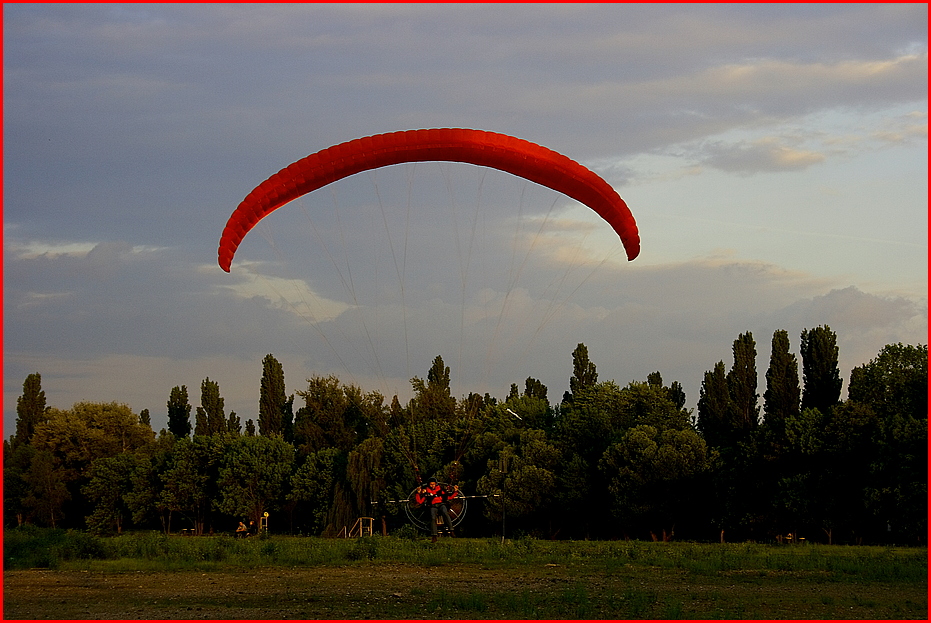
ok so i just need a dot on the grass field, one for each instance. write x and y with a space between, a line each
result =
151 576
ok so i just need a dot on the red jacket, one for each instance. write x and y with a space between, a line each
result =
434 495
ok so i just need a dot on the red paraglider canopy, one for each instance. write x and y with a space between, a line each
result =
499 151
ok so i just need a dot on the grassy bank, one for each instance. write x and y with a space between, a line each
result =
390 578
57 549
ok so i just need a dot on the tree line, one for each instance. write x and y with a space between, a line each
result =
605 461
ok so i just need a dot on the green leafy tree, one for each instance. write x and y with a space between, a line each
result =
895 382
315 487
411 443
644 403
30 409
252 475
109 485
402 442
596 418
179 412
364 409
47 490
16 463
433 431
651 477
819 369
799 502
86 432
200 422
366 474
65 446
190 480
897 497
576 511
890 395
843 471
521 481
326 419
144 500
586 425
119 428
534 411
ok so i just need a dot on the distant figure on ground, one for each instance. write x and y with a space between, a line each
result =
241 530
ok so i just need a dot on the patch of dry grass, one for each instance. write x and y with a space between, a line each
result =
466 579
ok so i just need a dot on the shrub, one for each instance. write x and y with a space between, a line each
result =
364 548
27 547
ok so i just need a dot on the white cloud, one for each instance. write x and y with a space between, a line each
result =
34 249
912 126
763 154
293 295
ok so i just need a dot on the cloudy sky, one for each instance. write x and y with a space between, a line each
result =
774 157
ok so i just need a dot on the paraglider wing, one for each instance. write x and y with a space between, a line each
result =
499 151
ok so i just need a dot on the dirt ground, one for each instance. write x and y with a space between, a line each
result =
384 591
397 591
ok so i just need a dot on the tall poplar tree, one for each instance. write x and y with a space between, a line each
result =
674 391
713 406
535 388
741 383
727 403
819 369
438 376
782 397
233 424
30 408
584 373
211 417
272 398
433 400
179 412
